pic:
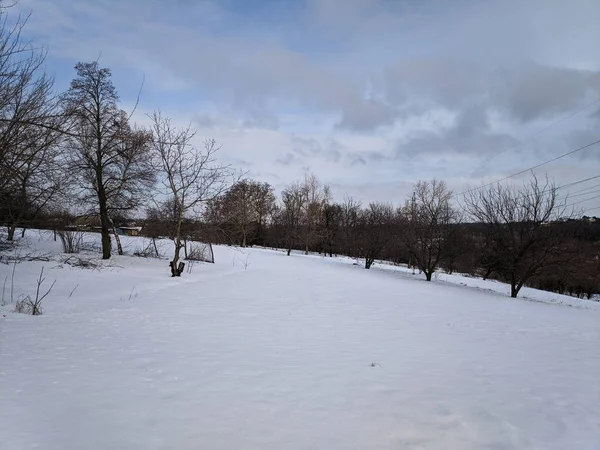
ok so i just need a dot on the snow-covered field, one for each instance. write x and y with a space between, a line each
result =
264 351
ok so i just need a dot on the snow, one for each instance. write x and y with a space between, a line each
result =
265 351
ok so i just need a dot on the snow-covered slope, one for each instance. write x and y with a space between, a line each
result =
265 351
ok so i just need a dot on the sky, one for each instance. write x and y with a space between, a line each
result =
369 95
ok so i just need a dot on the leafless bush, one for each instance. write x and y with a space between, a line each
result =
31 306
201 252
84 263
148 251
190 266
72 241
4 244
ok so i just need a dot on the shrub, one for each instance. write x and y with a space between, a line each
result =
72 241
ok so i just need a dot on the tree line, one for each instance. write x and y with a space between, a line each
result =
518 234
74 150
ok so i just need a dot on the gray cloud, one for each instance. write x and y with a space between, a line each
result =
536 91
367 115
310 147
287 159
441 84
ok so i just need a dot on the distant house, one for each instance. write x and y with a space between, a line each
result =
129 231
87 222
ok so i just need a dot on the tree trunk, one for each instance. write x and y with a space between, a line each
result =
106 244
23 232
117 239
515 288
428 275
488 272
178 245
369 262
11 232
175 261
104 219
244 239
155 247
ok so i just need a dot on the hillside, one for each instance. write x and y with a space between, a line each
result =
265 351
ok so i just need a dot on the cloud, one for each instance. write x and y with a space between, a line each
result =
356 90
536 91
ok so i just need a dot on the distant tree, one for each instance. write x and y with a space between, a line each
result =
376 230
243 209
315 197
427 225
349 221
265 203
332 216
110 159
293 204
161 219
521 239
31 128
191 177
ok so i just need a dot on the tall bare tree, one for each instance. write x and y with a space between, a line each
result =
349 222
315 197
30 128
242 210
38 178
110 159
265 203
293 200
427 225
331 224
521 239
191 177
375 231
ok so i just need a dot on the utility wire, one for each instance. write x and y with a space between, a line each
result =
591 209
529 168
583 201
547 127
578 182
583 190
578 195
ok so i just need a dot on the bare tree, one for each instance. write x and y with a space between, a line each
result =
242 210
264 202
30 129
110 159
350 215
331 223
521 236
375 231
191 177
293 200
427 225
315 197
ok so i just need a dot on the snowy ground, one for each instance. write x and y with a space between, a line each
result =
265 351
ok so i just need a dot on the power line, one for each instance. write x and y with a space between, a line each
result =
582 190
578 182
530 168
583 201
547 127
591 209
578 195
